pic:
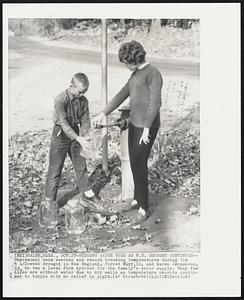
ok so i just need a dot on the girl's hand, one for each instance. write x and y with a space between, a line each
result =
145 137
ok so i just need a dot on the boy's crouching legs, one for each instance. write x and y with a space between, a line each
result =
56 162
79 163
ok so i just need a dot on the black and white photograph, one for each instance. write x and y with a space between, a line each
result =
121 148
104 147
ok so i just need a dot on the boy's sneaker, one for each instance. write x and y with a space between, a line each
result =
93 198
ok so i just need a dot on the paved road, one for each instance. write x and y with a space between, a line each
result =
34 48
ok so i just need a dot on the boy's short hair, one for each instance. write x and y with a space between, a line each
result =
80 77
132 53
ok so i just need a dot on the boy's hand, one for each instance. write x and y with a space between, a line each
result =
83 142
79 140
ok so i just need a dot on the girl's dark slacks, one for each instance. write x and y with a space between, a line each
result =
139 154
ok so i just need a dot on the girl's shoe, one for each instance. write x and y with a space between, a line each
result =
131 206
139 218
134 204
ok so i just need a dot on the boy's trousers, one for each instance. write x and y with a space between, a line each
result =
139 154
61 145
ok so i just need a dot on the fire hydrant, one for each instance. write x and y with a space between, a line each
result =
127 178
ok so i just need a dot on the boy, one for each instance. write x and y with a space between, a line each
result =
71 111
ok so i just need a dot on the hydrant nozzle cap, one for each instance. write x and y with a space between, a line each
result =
125 107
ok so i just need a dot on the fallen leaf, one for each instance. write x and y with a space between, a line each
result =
138 227
112 240
26 228
148 237
104 248
113 218
28 203
100 219
193 209
126 239
81 248
24 249
28 241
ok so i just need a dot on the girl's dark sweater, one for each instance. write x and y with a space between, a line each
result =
144 88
